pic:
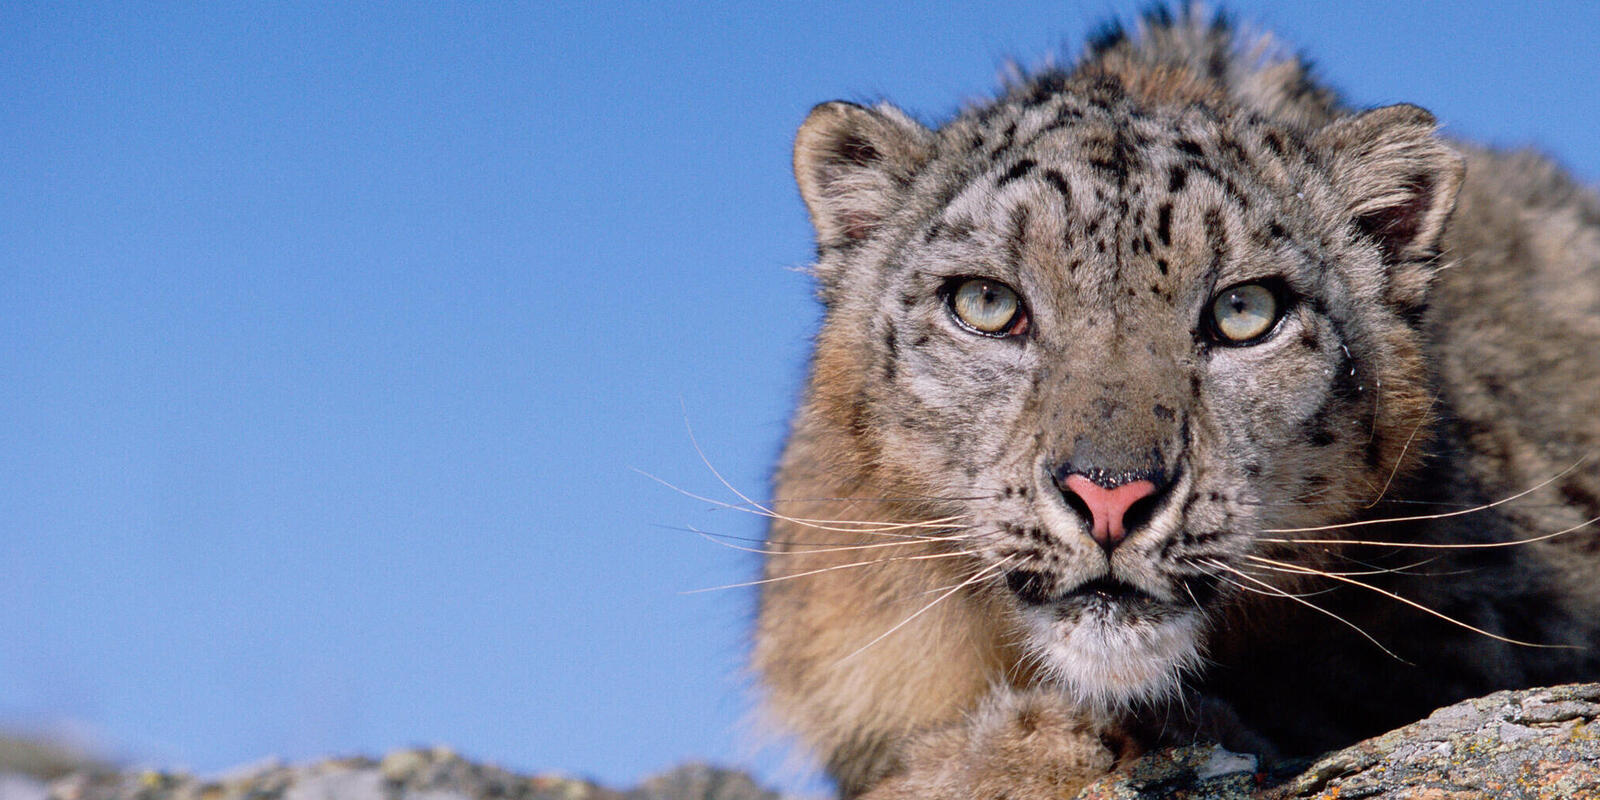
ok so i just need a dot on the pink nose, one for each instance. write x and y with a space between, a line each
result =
1108 506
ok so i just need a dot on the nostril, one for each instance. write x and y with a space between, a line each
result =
1078 505
1138 515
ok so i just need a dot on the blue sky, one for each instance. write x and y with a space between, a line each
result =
331 340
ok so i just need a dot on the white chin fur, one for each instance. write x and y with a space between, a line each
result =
1110 664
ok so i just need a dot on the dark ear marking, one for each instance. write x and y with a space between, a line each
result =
1399 180
1394 227
851 163
856 151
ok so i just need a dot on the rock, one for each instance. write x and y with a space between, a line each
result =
1535 743
27 763
1202 771
1541 743
701 782
431 774
43 758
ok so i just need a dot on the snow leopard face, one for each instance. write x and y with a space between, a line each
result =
1119 342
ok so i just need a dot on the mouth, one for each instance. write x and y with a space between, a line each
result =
1104 594
1108 594
1108 589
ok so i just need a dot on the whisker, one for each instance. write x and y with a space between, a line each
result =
1404 569
887 498
979 575
863 525
1190 592
936 589
907 539
717 538
1372 569
1300 570
729 537
1400 459
1276 591
1436 546
836 525
1256 577
831 568
689 429
1441 515
1385 501
699 451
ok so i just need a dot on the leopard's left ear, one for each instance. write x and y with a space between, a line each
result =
1398 178
853 164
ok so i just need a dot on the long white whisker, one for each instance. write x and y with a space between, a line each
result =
1296 569
1376 570
980 575
1441 515
1274 590
699 451
718 537
1403 569
1431 546
886 498
1400 459
729 537
836 525
831 568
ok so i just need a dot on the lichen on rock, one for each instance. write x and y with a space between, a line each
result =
1534 743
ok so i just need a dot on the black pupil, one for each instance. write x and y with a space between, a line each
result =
1237 302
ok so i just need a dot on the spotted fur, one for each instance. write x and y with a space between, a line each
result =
1441 360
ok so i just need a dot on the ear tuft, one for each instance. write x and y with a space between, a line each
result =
851 163
1398 178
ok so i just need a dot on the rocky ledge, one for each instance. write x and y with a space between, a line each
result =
432 774
1536 743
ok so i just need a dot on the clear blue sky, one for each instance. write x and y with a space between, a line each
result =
330 340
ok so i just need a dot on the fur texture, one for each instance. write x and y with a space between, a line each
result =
940 620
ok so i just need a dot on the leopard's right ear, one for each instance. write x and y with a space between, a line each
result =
852 164
1399 178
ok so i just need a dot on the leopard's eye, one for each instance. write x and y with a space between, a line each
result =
988 307
1244 314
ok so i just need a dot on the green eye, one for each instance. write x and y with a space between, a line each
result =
1244 313
987 307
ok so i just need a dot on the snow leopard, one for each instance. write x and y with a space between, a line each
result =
1169 395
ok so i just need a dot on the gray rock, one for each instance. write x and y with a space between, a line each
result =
701 782
42 757
1542 743
1531 743
433 774
1537 743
